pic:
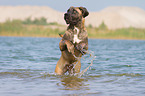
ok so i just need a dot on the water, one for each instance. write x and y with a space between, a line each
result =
27 68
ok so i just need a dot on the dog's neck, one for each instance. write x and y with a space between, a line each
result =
80 25
77 29
76 33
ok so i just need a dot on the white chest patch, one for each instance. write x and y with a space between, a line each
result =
76 39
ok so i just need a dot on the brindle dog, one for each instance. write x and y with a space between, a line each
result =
74 42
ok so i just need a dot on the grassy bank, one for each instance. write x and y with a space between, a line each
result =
18 28
124 33
39 28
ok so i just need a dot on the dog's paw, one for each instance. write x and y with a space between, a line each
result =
71 49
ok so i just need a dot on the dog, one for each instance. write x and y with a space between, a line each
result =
74 42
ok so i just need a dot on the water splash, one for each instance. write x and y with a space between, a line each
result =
91 53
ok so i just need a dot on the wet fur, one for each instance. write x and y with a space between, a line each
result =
67 62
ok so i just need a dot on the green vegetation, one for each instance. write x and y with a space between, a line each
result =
40 28
41 21
29 28
103 32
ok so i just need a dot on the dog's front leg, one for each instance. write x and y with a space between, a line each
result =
66 45
62 45
83 47
70 47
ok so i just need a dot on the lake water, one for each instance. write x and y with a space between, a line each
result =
27 68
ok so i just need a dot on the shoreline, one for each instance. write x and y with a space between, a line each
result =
18 28
60 37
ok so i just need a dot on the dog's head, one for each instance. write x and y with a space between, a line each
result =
75 15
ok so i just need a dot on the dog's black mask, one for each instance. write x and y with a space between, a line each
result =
73 16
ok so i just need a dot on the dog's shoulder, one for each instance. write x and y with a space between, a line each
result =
83 34
67 35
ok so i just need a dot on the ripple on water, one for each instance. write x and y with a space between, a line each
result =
27 65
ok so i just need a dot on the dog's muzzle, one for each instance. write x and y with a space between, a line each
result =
71 18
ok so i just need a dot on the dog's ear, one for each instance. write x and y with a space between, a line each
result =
84 11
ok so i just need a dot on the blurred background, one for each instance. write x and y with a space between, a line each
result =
27 63
108 19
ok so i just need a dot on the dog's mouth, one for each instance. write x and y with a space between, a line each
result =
71 18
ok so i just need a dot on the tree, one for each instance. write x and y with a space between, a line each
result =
102 26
